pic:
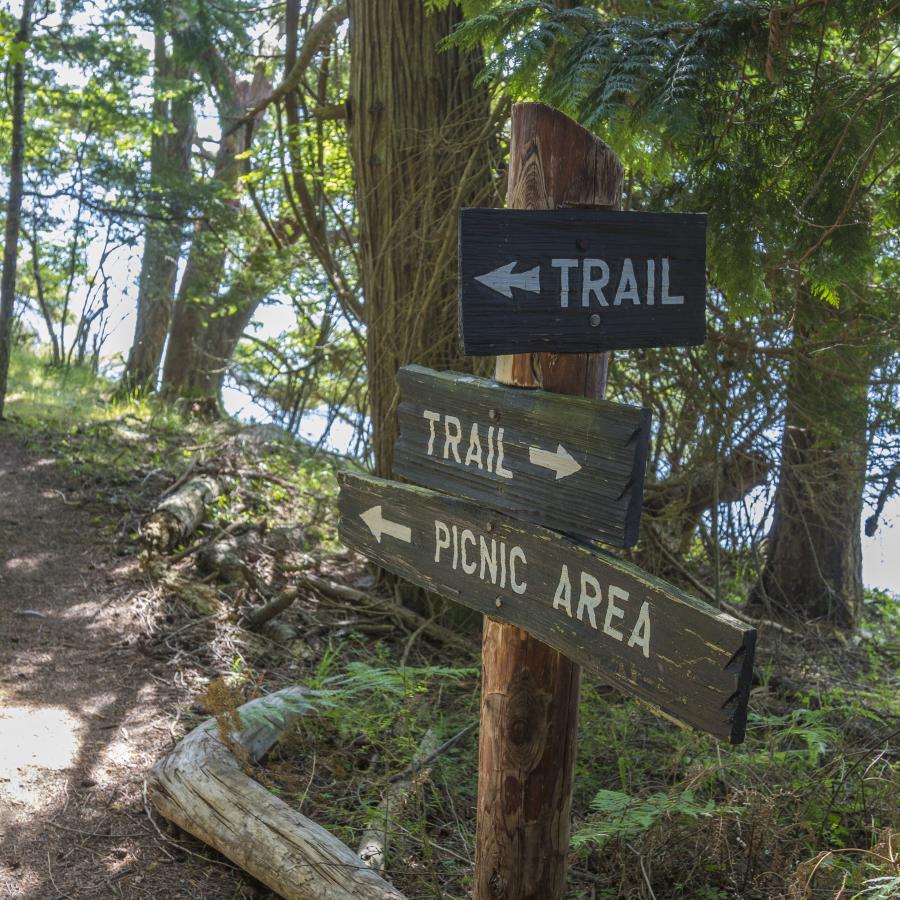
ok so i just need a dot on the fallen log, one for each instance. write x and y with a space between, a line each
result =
177 517
256 618
202 788
228 557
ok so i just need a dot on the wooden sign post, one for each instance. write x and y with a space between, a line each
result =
530 691
529 467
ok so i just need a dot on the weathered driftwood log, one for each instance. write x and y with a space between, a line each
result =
202 788
178 515
373 846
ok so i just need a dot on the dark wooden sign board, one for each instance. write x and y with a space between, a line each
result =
649 639
569 463
580 280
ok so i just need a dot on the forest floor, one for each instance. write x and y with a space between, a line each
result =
86 707
111 652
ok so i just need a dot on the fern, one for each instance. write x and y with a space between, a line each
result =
621 817
358 682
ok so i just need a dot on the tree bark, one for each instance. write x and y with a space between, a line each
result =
14 201
529 693
813 567
422 140
201 344
170 166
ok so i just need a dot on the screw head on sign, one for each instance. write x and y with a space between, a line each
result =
595 320
492 413
498 603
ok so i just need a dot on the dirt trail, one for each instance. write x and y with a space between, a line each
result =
83 710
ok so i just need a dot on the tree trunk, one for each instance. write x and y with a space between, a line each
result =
201 344
197 298
813 567
422 136
529 691
14 201
170 160
201 338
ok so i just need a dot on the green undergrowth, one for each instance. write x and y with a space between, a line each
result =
43 396
807 807
123 451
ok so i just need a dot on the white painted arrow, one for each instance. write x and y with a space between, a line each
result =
561 461
379 525
503 280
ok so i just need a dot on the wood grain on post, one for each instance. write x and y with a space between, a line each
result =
529 705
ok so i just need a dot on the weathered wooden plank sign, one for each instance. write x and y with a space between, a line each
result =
569 463
580 280
648 638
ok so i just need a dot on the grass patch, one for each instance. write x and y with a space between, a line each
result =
41 395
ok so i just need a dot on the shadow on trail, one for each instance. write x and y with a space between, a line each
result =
84 710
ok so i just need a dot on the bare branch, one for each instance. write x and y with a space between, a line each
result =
316 38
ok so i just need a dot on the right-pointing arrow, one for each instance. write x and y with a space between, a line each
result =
561 461
503 280
379 525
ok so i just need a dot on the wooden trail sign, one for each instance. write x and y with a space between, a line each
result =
580 280
649 639
569 463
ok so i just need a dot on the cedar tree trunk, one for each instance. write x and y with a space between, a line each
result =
422 136
813 567
201 338
170 155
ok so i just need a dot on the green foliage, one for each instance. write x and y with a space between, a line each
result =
40 395
781 123
817 779
370 720
778 122
363 698
620 817
807 728
115 443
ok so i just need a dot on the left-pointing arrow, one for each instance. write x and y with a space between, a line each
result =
503 280
379 525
